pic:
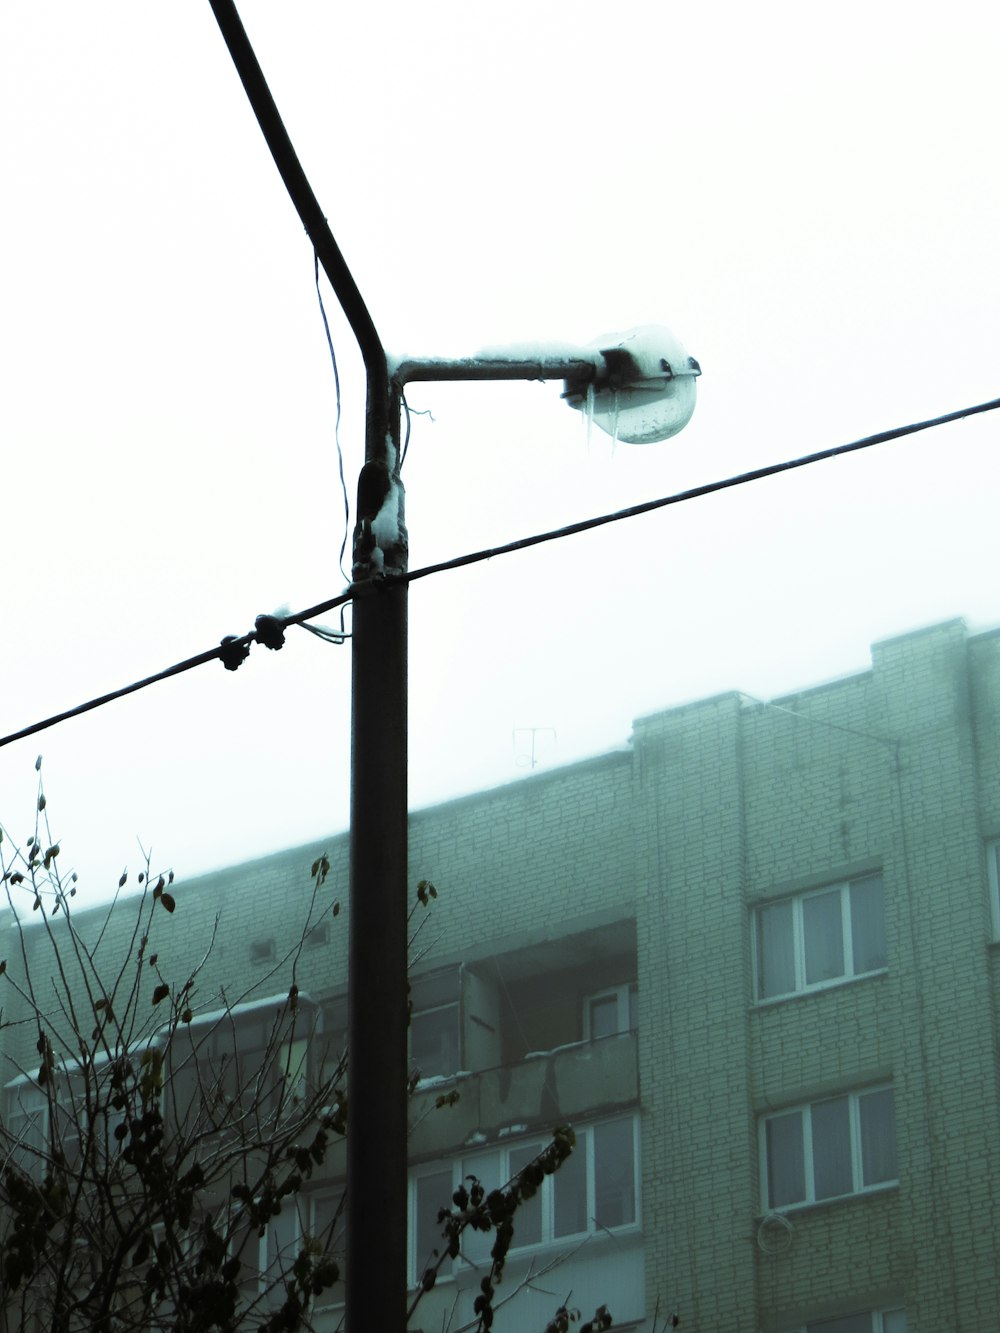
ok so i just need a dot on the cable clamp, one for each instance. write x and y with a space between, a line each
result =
233 652
270 632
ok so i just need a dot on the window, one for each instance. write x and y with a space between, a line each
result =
435 1047
595 1189
43 1121
429 1192
818 938
827 1149
331 1049
27 1126
328 1220
871 1321
314 1220
993 871
280 1246
609 1012
253 1055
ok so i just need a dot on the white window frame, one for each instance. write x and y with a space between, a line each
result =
797 901
881 1321
805 1110
502 1153
625 997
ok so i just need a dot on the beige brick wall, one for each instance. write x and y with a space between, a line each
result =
717 807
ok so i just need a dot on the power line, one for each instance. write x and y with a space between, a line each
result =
269 630
695 492
232 651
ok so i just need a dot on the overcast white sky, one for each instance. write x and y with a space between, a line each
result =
806 194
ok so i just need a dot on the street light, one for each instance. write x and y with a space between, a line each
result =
638 386
647 391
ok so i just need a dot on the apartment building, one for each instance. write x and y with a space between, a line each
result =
751 957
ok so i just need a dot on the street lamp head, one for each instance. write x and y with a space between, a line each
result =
644 391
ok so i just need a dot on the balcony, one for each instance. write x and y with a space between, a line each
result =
545 1089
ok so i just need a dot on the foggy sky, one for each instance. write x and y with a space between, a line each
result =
806 196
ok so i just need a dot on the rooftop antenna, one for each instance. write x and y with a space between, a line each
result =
529 760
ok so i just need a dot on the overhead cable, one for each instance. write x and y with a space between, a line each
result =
336 424
231 652
269 629
695 492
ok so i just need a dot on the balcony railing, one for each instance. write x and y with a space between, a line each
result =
546 1089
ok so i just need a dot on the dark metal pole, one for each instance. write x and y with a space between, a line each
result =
377 1008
